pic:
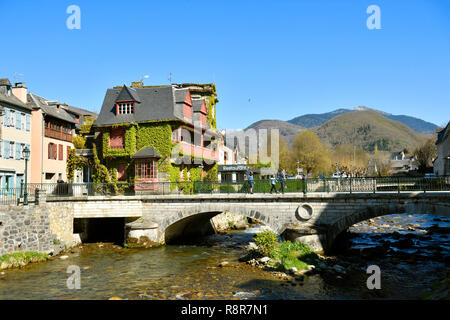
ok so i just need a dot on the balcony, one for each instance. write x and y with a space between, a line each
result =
50 133
85 152
197 151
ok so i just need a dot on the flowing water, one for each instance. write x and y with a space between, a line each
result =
193 271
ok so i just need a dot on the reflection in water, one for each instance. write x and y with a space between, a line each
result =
193 272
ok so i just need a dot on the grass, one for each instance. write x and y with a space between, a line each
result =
20 259
289 254
285 254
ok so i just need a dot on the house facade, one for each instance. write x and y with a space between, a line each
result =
52 131
15 134
400 164
156 134
441 165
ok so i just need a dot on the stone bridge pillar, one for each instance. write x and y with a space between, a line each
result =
40 197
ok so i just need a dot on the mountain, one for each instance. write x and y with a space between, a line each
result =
315 120
366 129
288 130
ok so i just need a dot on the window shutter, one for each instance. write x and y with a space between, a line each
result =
61 152
50 149
18 150
55 151
28 127
11 118
5 149
6 120
18 121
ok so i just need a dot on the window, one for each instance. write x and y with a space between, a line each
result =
52 151
117 138
61 153
145 169
125 107
121 172
12 118
175 135
11 149
22 121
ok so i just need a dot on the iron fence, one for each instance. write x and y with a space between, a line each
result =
344 185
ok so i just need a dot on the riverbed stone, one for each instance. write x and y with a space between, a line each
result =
264 259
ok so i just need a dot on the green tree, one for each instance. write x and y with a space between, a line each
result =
311 154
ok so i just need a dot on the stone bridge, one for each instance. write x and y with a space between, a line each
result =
315 218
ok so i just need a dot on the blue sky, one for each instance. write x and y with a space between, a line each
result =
269 59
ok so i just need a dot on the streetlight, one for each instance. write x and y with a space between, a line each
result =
26 155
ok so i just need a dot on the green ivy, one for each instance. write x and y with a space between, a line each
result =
211 106
195 174
211 174
130 144
79 142
75 162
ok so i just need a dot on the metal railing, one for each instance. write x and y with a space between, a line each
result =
343 185
10 196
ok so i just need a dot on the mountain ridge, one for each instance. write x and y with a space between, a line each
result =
368 127
314 120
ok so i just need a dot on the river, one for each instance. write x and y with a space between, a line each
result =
193 271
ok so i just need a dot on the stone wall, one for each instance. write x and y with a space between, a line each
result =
45 228
228 220
25 229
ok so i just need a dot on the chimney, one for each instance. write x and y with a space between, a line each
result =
20 91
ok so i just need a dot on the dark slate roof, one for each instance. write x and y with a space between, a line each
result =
5 82
80 111
442 134
147 152
14 101
157 103
128 93
180 95
197 105
50 110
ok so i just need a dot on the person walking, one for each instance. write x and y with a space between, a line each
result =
273 183
282 178
251 181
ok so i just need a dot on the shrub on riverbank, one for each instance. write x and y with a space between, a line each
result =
285 254
20 259
266 241
294 254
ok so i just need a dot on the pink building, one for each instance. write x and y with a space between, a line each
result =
52 128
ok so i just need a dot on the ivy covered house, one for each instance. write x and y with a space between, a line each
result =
151 134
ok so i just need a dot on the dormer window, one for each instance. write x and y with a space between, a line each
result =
125 107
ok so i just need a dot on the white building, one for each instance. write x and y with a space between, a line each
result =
441 164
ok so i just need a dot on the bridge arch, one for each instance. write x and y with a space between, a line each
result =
195 219
416 207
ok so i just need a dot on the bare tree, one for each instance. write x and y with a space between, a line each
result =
425 153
